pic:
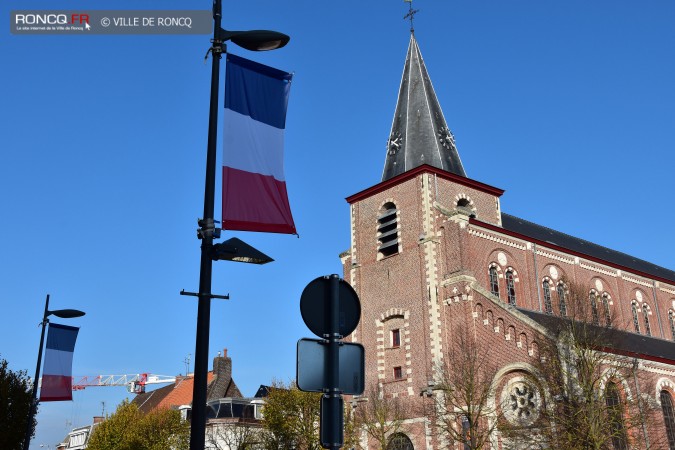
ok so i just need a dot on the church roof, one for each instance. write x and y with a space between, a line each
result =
419 133
613 340
583 247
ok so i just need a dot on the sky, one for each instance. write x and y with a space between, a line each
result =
567 105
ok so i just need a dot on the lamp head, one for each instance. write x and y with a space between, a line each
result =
66 313
236 250
255 40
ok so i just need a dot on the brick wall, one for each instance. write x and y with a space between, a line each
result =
438 281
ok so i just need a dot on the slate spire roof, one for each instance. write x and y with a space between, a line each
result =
419 133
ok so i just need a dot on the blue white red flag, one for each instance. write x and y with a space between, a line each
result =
254 185
57 372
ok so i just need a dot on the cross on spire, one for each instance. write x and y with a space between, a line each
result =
411 15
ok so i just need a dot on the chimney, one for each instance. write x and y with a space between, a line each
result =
222 367
222 373
98 419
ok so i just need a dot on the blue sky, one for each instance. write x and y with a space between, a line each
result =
568 106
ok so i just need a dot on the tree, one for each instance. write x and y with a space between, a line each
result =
291 418
380 416
233 434
590 404
129 429
464 412
15 401
351 426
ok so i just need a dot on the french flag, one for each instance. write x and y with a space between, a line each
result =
254 185
57 378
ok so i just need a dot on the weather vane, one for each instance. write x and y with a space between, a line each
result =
411 15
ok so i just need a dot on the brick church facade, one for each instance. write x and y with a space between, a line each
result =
432 252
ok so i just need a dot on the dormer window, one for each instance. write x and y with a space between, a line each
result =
387 230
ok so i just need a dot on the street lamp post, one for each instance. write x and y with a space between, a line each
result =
64 314
256 40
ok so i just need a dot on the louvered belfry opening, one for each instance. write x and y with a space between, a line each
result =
387 230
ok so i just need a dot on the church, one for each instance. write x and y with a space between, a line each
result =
432 253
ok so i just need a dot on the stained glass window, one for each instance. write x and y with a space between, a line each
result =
494 281
400 441
594 309
645 310
636 322
561 299
605 306
547 298
511 287
615 413
668 417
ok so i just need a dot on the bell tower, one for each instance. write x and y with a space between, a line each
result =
407 240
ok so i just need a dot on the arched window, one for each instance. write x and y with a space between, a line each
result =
671 320
547 298
668 417
645 310
605 306
594 309
387 230
636 322
615 417
400 441
561 299
511 287
494 281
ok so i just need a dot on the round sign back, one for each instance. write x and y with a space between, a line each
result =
315 306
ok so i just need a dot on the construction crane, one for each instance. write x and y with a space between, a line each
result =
135 383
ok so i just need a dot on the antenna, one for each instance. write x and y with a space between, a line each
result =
411 15
186 361
103 409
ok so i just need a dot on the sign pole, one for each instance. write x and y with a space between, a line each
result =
333 412
331 309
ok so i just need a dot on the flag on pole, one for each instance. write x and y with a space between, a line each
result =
57 372
254 185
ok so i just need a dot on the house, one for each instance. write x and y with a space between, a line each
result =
178 395
79 437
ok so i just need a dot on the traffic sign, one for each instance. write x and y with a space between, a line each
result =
315 304
331 310
311 373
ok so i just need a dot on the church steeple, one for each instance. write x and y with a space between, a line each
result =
419 133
